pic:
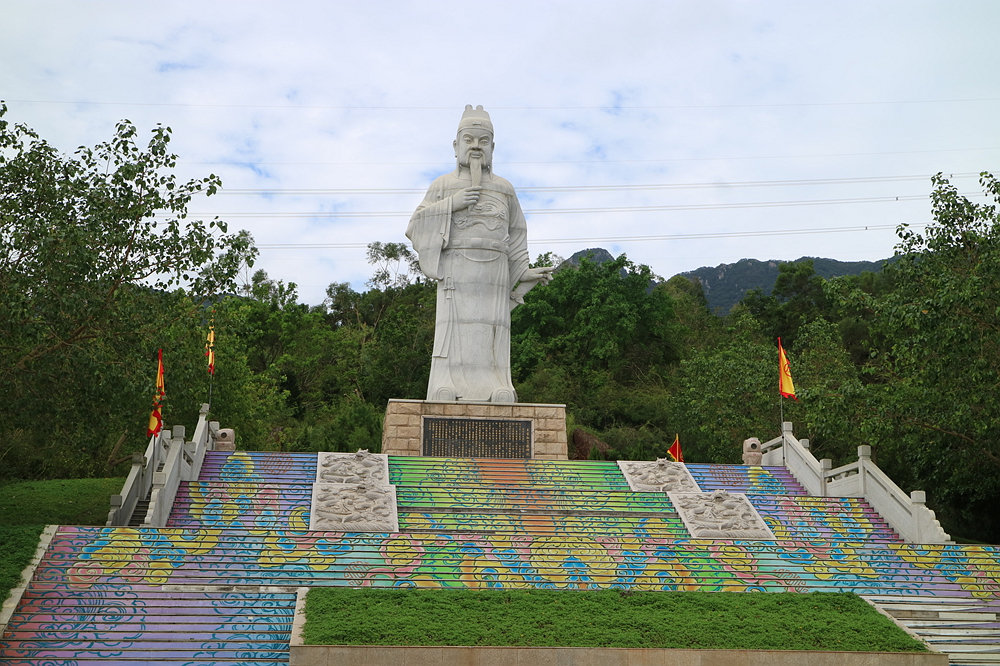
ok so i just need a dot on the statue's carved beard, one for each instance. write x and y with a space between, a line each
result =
476 169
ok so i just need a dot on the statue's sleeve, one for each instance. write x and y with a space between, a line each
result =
429 229
517 243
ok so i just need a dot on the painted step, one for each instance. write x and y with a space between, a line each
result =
81 555
124 624
745 479
301 468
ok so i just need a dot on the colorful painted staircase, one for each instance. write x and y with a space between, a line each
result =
216 585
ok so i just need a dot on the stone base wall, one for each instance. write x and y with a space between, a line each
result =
337 655
402 429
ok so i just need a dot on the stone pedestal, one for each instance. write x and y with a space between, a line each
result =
405 424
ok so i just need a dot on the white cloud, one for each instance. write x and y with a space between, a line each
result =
367 95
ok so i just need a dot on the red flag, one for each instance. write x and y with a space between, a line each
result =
675 449
156 416
785 386
210 349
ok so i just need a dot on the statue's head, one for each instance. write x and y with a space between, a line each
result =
475 137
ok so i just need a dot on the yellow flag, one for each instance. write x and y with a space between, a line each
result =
785 386
156 416
210 349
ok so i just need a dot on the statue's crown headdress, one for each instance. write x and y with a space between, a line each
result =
475 118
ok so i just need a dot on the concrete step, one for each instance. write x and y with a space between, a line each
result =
132 624
965 628
94 555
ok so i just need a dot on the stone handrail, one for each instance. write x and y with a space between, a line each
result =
183 463
139 480
906 514
167 481
168 461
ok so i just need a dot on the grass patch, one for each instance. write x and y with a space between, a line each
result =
58 502
606 618
27 506
17 547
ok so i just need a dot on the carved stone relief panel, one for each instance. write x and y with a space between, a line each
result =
720 515
659 476
353 508
360 467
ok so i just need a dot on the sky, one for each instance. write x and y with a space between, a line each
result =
684 134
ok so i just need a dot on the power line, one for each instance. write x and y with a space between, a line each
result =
605 188
621 239
643 161
617 107
579 211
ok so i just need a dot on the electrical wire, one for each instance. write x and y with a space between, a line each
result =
615 107
623 239
591 210
643 161
605 188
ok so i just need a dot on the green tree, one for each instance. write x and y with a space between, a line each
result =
338 364
830 391
727 393
600 338
933 394
90 247
798 297
698 326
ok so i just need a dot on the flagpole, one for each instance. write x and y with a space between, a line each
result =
210 353
785 386
781 412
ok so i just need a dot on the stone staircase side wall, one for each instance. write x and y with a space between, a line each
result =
12 601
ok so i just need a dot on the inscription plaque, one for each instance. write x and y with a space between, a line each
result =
476 438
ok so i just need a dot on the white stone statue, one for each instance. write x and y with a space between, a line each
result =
470 235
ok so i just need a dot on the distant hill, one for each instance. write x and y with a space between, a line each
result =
596 254
726 284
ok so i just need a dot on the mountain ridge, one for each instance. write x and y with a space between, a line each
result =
726 284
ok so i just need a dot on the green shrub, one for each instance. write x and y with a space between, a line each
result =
606 618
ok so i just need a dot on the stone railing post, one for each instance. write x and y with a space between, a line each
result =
919 499
864 458
825 465
213 432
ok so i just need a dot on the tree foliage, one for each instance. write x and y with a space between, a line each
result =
90 246
932 395
595 337
797 298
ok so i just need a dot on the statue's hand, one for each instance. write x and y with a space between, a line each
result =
540 275
531 277
465 198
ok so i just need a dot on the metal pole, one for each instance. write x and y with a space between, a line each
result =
781 412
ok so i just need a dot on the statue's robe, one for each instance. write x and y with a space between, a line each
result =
477 255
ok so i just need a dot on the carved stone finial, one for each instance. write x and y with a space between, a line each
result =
752 453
